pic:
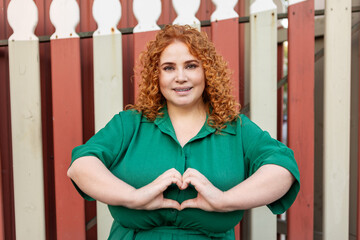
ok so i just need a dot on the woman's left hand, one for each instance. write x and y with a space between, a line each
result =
209 197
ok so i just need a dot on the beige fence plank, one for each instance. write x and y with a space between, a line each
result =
337 119
26 121
263 95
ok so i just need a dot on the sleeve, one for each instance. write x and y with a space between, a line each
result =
108 144
260 149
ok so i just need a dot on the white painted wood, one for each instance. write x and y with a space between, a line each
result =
146 12
224 10
263 95
292 2
27 139
65 16
186 10
261 6
337 85
22 17
108 100
107 14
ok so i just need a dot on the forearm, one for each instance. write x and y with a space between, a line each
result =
94 179
268 184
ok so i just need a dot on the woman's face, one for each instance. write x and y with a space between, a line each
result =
182 78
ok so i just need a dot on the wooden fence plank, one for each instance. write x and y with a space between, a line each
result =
67 116
337 119
301 103
263 95
108 84
25 102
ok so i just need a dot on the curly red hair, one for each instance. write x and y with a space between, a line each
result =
222 107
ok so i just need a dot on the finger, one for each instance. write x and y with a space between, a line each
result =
199 184
171 173
169 203
190 203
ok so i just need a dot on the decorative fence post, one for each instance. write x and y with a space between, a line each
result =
2 227
263 94
67 116
301 103
26 121
145 30
337 76
225 36
186 10
108 86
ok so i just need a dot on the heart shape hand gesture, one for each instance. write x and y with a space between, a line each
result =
150 197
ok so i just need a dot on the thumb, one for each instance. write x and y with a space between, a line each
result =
169 203
191 203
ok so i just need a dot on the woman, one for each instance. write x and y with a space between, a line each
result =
182 163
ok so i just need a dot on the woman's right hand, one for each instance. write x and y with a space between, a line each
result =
150 197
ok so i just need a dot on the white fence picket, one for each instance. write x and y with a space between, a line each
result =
25 100
263 94
108 86
337 84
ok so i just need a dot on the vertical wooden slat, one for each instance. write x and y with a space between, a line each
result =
2 231
225 36
337 119
300 104
358 170
263 95
143 31
67 117
108 87
5 126
26 121
43 29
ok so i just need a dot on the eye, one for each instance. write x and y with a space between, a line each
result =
192 66
168 68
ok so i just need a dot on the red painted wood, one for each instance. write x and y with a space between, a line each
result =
140 41
2 234
301 115
225 36
358 196
127 20
46 119
5 129
67 125
241 11
87 24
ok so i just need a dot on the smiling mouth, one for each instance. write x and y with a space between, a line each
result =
182 89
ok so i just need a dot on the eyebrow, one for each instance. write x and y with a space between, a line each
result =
186 62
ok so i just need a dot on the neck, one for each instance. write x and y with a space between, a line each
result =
183 112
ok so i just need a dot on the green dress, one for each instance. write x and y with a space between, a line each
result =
137 151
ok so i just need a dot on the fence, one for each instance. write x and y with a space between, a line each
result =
56 94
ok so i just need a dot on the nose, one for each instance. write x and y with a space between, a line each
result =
181 76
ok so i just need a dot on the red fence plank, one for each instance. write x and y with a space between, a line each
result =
301 114
358 196
67 125
225 36
140 41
